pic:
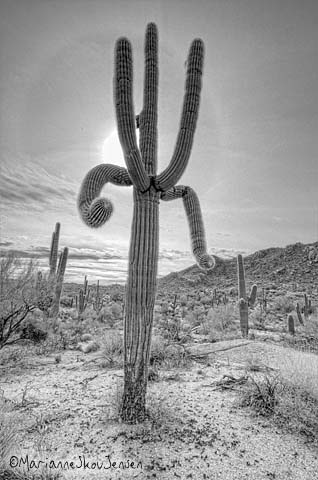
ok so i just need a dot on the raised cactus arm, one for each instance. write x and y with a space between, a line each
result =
123 83
96 211
253 296
149 116
241 277
192 207
54 248
171 175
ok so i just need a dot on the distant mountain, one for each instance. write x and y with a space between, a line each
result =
295 266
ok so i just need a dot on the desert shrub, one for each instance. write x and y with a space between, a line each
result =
117 297
183 300
19 296
206 300
258 317
89 314
291 396
112 349
33 331
220 322
66 302
157 353
106 316
263 394
116 311
223 317
290 405
88 347
195 317
283 304
164 307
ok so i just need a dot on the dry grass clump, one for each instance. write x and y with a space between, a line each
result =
290 396
112 349
300 369
9 446
167 355
8 434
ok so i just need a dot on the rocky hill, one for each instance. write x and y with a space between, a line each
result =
294 267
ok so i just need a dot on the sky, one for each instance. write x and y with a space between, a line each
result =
254 158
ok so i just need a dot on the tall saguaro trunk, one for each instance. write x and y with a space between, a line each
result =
140 301
148 189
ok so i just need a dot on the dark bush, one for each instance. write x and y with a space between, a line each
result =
33 332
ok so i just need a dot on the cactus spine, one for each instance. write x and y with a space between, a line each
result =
244 301
148 189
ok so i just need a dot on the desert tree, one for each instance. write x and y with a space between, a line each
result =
22 290
148 189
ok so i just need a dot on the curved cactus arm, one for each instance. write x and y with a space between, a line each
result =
123 82
192 207
149 115
171 175
96 211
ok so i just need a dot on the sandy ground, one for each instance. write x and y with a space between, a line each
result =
67 412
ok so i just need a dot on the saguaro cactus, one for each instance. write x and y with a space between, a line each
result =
306 306
59 283
54 249
56 275
244 300
148 189
83 296
291 324
98 300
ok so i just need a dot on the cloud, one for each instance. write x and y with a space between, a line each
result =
5 244
108 264
24 184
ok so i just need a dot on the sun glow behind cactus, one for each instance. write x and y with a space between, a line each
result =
112 151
